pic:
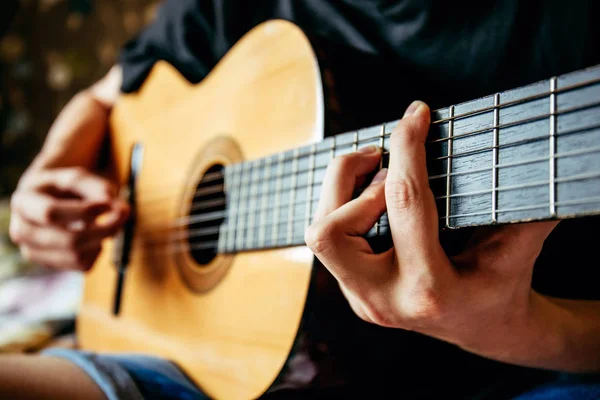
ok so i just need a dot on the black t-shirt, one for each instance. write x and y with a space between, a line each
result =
383 54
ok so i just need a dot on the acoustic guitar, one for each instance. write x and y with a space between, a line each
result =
212 271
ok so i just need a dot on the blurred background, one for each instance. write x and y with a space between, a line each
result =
49 50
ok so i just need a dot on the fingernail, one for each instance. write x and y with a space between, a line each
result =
369 149
380 176
414 106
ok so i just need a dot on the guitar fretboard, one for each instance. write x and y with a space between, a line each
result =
531 153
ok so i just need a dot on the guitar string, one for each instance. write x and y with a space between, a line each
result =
176 247
458 155
527 99
204 232
202 217
286 206
218 176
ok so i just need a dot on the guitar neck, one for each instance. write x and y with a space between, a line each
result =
531 153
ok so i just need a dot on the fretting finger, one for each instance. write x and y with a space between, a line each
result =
410 202
342 176
337 240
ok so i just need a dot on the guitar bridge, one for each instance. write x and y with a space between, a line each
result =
124 240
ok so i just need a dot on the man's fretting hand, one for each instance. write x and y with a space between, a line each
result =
480 300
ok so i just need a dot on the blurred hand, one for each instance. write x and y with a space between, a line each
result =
481 300
55 216
58 200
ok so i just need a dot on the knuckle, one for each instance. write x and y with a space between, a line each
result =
371 198
424 307
319 237
405 134
107 188
378 315
74 175
376 308
345 162
26 253
14 200
72 241
78 172
49 211
401 194
16 232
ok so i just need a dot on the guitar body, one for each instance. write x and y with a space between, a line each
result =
229 324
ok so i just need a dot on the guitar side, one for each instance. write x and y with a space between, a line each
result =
230 324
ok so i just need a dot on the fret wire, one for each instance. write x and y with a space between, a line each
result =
515 143
519 122
583 201
222 240
499 167
521 208
282 206
449 165
241 225
527 99
263 216
519 142
292 197
222 229
310 183
232 210
571 178
495 160
252 205
355 141
381 146
236 196
590 200
275 230
185 221
552 146
333 146
489 129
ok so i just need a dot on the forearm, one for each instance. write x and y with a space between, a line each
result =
77 134
577 325
559 334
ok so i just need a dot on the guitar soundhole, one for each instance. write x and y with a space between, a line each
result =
207 213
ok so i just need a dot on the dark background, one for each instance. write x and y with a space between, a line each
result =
49 50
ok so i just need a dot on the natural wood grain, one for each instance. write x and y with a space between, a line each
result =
264 96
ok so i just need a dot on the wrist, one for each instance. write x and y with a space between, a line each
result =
533 336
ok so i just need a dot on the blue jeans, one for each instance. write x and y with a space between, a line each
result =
566 387
124 377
